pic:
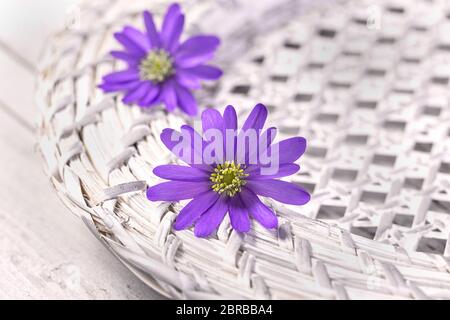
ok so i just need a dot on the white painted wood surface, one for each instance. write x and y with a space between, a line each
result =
45 252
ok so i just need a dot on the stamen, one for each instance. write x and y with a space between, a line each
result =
228 178
157 66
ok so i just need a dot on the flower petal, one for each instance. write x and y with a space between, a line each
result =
174 40
129 45
278 190
197 143
139 38
251 131
196 51
212 119
265 139
129 58
230 118
123 86
194 209
205 72
187 79
211 219
128 75
137 93
172 27
212 122
289 150
177 190
172 13
230 123
258 210
256 119
284 170
169 96
152 33
171 139
150 97
194 156
180 173
186 101
239 217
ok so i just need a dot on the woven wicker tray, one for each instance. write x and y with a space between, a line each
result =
367 85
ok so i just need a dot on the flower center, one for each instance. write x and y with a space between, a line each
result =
157 66
228 178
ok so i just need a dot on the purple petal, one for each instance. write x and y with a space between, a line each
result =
123 86
139 38
196 50
137 93
251 128
172 138
240 220
197 143
230 122
258 210
212 119
129 58
173 40
150 97
211 219
172 27
122 76
230 118
180 173
205 72
289 150
278 190
187 79
177 190
186 101
194 209
168 95
264 141
256 119
211 122
152 33
283 171
129 45
172 13
266 138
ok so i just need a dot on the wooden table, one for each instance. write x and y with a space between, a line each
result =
45 252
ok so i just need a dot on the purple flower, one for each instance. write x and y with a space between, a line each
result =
160 69
232 182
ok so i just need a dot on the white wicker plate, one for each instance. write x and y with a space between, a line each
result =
367 85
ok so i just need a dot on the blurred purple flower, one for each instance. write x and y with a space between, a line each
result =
232 183
160 69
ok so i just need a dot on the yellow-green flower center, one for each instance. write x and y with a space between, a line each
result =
157 66
228 178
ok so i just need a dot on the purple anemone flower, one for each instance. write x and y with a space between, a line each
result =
231 181
160 69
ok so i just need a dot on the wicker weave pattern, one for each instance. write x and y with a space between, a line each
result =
368 124
374 106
